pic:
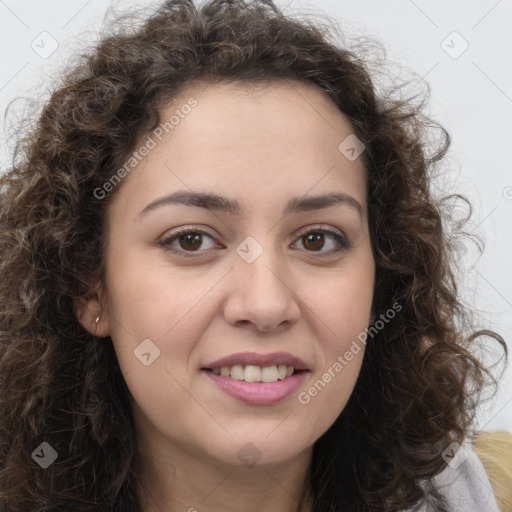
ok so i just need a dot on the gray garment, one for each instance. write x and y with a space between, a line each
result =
465 485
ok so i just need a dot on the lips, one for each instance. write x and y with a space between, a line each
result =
255 359
258 379
258 393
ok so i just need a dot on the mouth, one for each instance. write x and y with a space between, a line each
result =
258 392
255 373
254 367
253 378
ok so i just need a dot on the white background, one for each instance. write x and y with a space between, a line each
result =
471 96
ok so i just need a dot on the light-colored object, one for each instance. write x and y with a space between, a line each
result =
495 451
467 487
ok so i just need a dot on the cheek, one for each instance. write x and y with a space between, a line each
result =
327 394
342 303
161 313
341 353
343 308
151 302
151 297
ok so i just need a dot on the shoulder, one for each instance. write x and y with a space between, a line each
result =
464 482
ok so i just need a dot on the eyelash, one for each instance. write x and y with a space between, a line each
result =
165 242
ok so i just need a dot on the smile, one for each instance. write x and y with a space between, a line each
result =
258 392
254 373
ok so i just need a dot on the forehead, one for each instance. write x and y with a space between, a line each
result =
262 108
285 135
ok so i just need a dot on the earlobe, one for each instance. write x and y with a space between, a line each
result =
92 316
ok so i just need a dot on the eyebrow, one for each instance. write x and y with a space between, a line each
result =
232 206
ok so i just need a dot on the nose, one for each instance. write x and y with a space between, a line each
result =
262 293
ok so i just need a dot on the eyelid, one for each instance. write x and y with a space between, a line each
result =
338 235
168 238
320 227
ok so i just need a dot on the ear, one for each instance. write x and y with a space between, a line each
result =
88 309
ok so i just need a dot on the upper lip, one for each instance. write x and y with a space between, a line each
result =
253 358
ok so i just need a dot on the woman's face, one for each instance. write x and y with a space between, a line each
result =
267 277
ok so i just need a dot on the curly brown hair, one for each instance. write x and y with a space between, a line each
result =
420 382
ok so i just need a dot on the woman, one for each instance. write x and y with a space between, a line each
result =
226 284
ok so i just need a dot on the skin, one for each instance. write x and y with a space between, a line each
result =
261 145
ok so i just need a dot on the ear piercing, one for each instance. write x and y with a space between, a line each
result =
97 320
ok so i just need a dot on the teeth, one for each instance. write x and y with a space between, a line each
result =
253 373
269 374
237 372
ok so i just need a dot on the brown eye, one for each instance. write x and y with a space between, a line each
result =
318 239
190 241
314 241
187 241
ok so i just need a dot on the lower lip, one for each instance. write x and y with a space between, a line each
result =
261 393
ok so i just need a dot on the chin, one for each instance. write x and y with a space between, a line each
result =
258 450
